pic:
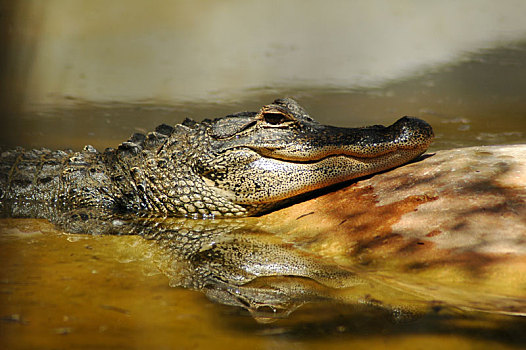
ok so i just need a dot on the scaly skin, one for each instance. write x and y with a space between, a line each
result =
240 165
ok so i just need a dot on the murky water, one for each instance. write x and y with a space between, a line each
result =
71 291
76 291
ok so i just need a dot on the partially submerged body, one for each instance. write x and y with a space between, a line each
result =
243 164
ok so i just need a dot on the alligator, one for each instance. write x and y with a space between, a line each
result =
244 164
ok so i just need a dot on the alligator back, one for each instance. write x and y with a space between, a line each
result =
68 187
35 182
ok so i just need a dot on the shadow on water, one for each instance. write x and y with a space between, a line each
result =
337 322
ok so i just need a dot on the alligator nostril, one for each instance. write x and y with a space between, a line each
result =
413 132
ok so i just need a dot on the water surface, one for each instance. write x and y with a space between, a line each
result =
478 100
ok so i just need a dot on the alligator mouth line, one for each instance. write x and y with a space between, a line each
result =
361 157
274 184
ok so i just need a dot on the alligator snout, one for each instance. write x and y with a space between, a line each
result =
412 133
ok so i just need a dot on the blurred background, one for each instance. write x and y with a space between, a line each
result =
92 71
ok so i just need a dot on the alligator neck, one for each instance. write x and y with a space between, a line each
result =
160 174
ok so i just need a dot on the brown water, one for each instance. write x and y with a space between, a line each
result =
70 291
74 291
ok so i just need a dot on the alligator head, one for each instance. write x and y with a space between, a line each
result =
239 165
253 161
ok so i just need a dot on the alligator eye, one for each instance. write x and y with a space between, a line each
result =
275 118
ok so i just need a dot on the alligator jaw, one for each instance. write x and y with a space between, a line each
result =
281 179
274 164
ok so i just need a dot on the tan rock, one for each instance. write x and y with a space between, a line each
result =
449 228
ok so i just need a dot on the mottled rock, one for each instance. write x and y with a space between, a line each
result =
450 227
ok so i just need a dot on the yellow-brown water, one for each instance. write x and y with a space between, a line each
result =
71 291
74 291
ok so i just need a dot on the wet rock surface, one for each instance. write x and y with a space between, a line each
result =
449 228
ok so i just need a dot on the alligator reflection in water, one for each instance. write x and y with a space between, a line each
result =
235 263
363 244
243 164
